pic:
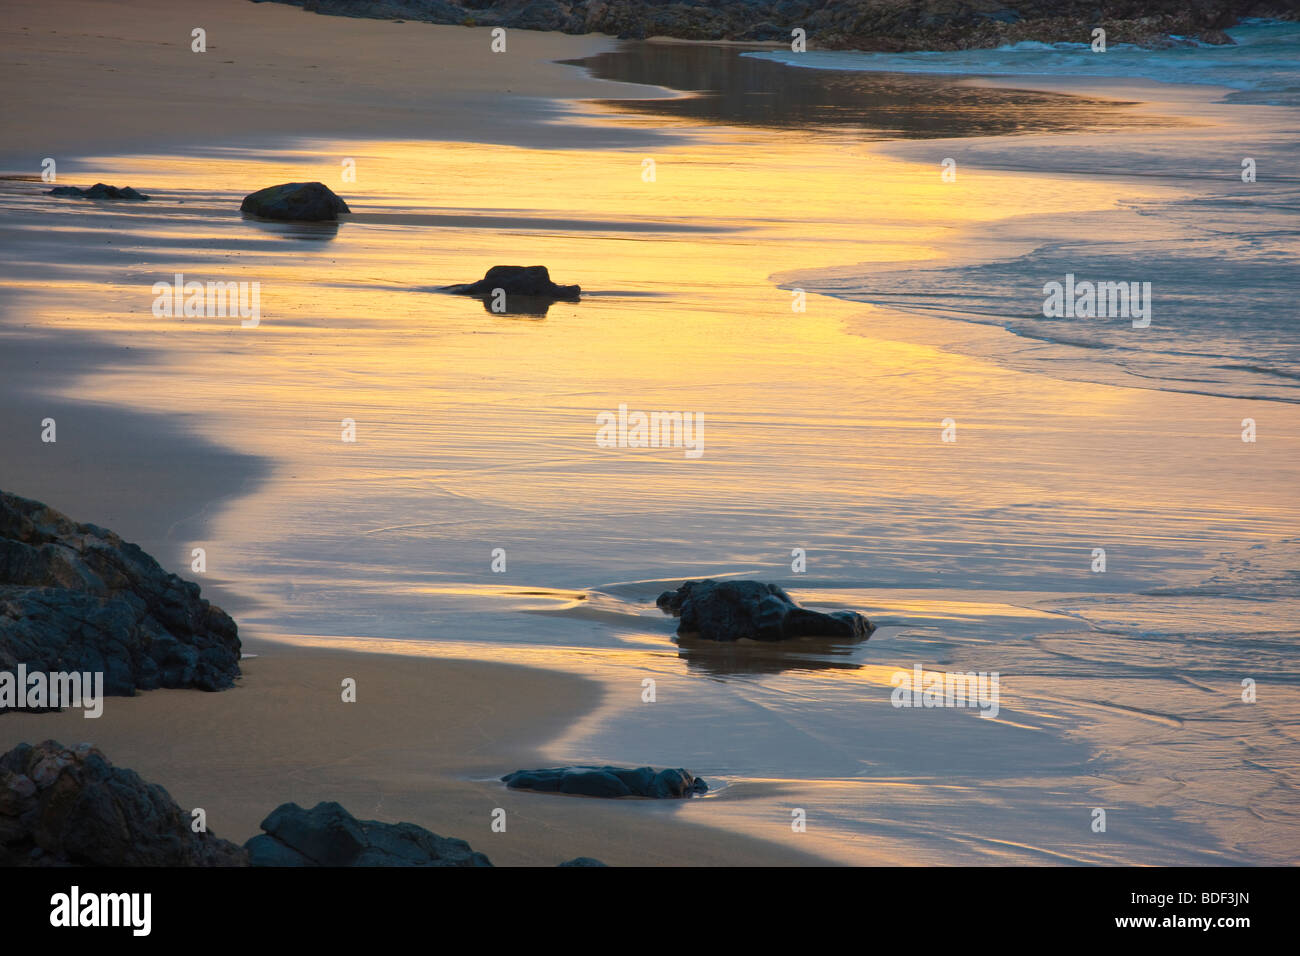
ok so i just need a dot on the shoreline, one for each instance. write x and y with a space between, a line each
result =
245 53
632 828
238 792
119 446
283 734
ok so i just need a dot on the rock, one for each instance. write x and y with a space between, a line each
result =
99 191
1216 38
888 25
582 861
752 610
608 782
77 598
533 282
327 835
299 202
541 15
61 806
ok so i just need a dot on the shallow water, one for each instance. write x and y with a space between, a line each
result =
1210 248
728 86
1261 66
476 431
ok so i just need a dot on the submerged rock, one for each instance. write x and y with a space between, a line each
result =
77 598
300 202
582 861
608 782
752 610
1216 38
327 835
533 282
99 191
62 806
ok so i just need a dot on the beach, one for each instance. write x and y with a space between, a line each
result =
822 296
425 747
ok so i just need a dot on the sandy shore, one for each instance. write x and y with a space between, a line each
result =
477 432
427 738
272 70
424 742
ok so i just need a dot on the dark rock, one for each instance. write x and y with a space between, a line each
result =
532 282
582 861
327 835
884 25
1216 38
61 806
541 15
298 202
267 851
752 610
75 597
767 32
608 782
99 191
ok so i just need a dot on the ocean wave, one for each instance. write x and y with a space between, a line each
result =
1262 66
1218 271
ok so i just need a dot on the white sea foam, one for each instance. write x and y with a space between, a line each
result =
1263 66
1220 249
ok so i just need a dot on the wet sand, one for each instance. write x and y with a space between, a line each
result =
87 82
144 475
476 432
427 739
425 742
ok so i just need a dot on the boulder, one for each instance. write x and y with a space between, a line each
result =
99 191
63 806
608 782
582 861
1216 38
77 598
327 835
298 202
533 282
752 610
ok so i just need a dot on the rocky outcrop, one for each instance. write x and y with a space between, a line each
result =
886 25
752 610
608 782
63 806
531 282
69 806
77 598
327 835
295 202
99 191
